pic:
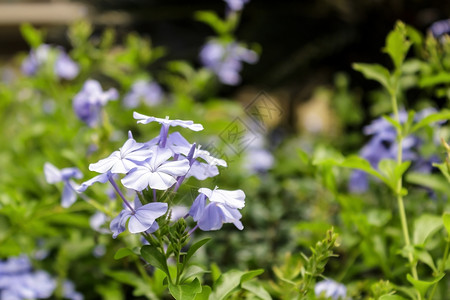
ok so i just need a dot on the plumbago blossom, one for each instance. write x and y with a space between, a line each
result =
54 175
330 289
223 208
143 91
88 103
225 60
163 164
64 67
19 281
383 145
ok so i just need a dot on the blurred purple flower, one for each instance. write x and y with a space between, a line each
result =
97 220
225 60
88 103
383 145
439 28
64 66
148 92
18 281
223 208
54 175
236 5
330 288
69 291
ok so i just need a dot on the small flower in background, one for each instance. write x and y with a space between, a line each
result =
97 220
143 91
88 103
19 282
69 291
225 60
236 5
439 28
64 66
141 218
223 208
330 288
383 145
54 175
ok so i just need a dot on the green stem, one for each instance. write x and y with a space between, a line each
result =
401 206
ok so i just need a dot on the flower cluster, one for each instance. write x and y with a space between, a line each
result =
225 60
330 289
64 67
383 145
18 281
143 91
88 103
162 164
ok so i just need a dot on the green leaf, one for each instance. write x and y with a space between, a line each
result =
423 286
154 257
391 297
446 220
425 226
230 281
123 252
194 249
393 171
251 274
440 116
213 20
432 80
397 45
432 181
204 295
425 257
256 288
31 35
375 72
185 291
192 271
303 156
444 170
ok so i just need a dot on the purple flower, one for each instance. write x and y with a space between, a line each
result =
143 119
165 124
330 288
180 145
223 208
18 281
236 5
148 92
156 172
54 175
88 103
225 60
64 66
97 220
440 28
69 291
123 160
102 178
141 218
